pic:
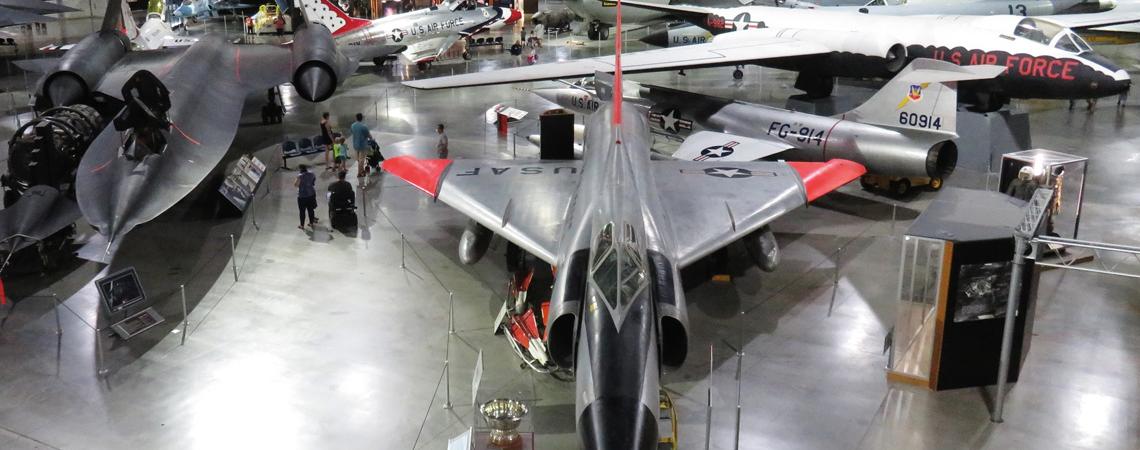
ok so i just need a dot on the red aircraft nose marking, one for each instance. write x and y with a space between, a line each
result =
515 16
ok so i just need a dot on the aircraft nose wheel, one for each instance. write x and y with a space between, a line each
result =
737 74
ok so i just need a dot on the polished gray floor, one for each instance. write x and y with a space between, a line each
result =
324 341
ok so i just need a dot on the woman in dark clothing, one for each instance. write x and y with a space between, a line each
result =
306 184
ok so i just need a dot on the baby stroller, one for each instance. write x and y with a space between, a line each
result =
342 211
374 157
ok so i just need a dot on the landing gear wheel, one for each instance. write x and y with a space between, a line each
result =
737 74
935 184
379 62
603 33
423 65
592 33
900 187
467 56
866 183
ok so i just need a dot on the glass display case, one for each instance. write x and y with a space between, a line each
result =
1062 172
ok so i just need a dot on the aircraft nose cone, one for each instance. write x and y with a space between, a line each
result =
515 16
313 83
657 39
617 423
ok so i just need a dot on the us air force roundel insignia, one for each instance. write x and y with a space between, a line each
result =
717 151
728 172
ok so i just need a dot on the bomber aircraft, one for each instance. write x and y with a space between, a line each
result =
1044 60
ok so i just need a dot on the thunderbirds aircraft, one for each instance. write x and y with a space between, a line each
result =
1044 60
421 36
181 109
905 129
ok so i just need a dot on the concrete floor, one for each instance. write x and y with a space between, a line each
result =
325 342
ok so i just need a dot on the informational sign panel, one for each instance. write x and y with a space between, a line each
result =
120 290
240 185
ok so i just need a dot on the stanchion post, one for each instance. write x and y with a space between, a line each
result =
708 401
1021 243
233 256
450 313
447 357
835 280
58 325
894 215
100 364
402 243
739 409
185 314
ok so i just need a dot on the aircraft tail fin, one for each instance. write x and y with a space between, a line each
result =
330 15
922 96
129 27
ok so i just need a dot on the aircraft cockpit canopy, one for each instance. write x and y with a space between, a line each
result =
1052 34
618 271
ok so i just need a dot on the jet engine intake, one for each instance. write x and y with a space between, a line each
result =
762 248
318 66
857 54
473 243
566 308
82 68
672 314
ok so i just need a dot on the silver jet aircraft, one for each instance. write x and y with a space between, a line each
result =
906 129
1044 59
421 36
619 227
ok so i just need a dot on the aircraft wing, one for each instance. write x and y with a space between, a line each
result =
1122 14
722 147
525 202
745 47
715 204
36 6
208 83
9 17
430 49
39 213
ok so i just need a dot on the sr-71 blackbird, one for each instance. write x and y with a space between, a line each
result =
179 107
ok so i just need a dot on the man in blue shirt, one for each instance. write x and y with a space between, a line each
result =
360 136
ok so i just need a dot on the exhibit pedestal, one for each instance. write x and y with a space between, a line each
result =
953 288
482 441
984 137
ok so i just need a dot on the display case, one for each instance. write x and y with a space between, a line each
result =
956 268
1062 172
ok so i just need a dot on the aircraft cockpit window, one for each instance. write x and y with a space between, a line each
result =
618 270
1085 47
1037 30
1065 43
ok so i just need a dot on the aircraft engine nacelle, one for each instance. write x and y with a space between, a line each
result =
82 68
672 313
565 311
762 248
318 67
473 243
859 53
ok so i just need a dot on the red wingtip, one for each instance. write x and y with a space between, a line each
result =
425 174
821 178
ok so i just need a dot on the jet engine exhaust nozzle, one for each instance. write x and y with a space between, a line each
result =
314 81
